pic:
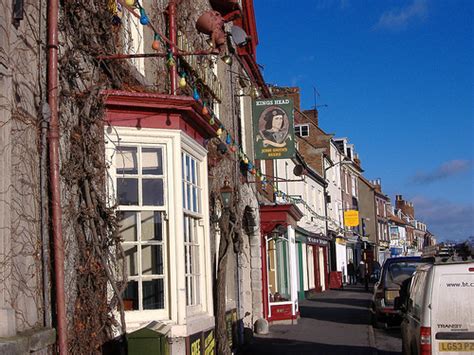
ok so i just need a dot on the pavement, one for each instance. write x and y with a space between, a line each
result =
332 322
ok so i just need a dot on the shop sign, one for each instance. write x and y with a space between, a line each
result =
273 128
311 240
231 325
394 233
200 68
351 218
202 343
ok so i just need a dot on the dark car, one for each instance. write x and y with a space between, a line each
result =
394 272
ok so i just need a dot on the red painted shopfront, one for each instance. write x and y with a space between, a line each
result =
279 274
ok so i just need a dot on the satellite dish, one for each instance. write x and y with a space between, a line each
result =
239 36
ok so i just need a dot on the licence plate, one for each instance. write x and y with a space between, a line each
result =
456 346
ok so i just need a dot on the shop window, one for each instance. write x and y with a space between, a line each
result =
278 270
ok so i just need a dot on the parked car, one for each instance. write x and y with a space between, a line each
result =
394 272
439 309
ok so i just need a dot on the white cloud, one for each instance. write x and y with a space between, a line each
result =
444 171
397 19
445 219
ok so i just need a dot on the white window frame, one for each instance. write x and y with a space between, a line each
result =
176 312
299 130
139 209
134 40
193 260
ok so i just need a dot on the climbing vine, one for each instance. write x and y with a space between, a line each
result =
91 226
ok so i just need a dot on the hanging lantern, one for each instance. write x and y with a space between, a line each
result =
253 171
130 3
182 81
204 111
233 148
219 132
245 160
196 94
144 20
228 139
156 42
250 166
212 121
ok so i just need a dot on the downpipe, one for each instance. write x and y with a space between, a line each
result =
56 213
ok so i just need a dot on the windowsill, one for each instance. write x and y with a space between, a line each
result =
194 324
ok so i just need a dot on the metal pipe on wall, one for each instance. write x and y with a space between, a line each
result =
56 213
173 39
45 241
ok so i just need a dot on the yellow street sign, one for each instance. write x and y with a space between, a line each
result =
351 218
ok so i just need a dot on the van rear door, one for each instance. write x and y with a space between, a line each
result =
452 309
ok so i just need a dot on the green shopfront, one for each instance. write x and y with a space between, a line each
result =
312 262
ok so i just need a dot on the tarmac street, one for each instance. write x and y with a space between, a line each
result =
332 322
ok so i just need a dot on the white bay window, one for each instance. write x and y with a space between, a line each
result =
159 184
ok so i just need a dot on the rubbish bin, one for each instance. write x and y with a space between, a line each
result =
147 341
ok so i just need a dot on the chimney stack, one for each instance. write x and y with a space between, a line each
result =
312 115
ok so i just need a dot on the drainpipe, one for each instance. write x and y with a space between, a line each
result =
46 113
172 35
56 213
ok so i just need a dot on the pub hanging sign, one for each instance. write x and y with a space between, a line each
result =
273 126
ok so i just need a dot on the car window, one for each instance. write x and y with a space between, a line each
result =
418 293
398 272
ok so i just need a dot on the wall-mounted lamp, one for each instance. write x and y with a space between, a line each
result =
226 194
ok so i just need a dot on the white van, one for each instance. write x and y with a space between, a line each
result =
439 309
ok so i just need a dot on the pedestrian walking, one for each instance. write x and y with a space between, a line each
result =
352 273
362 270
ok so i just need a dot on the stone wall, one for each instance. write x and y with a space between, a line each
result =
21 71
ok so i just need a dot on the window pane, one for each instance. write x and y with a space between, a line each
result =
128 226
188 197
152 161
126 160
130 252
184 195
130 296
152 192
195 206
153 294
186 262
152 226
187 168
193 171
185 228
127 191
152 260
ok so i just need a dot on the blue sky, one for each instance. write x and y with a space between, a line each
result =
398 79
